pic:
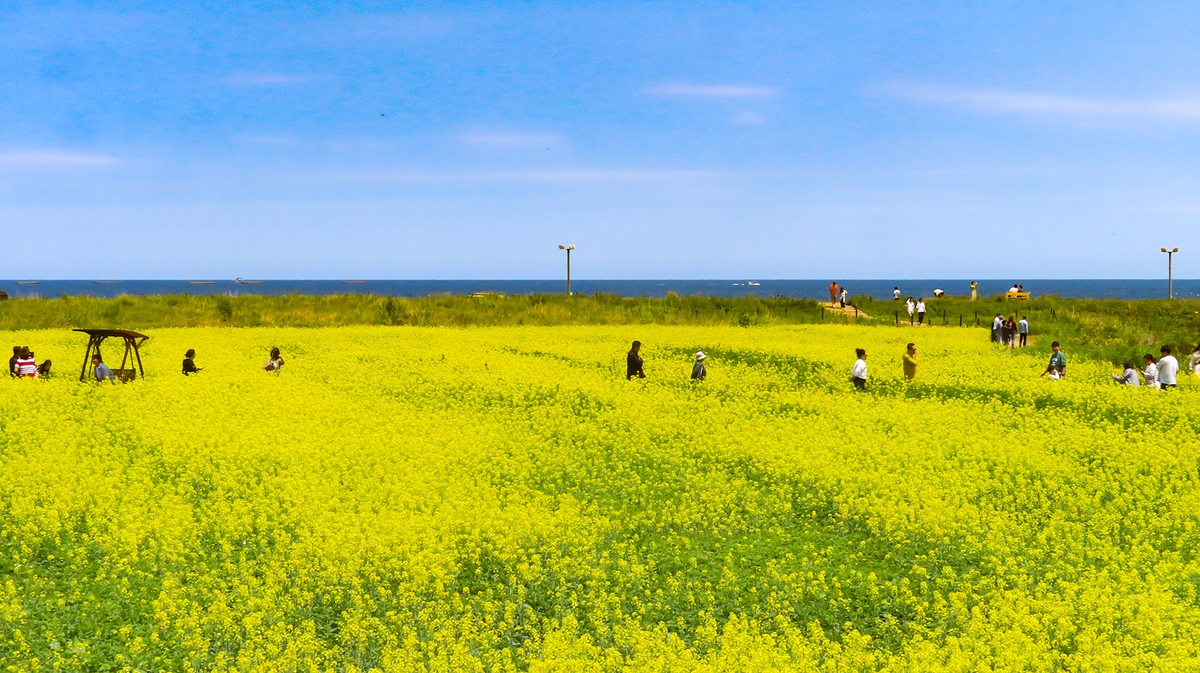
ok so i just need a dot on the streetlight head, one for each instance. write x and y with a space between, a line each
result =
1175 250
562 248
571 247
1164 249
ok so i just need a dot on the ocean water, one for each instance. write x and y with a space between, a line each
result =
812 289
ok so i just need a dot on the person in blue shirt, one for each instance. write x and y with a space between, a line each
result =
102 371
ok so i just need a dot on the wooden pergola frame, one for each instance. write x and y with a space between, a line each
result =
133 342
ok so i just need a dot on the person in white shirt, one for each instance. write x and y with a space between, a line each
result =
1194 361
859 373
896 293
1168 367
1150 372
911 306
921 311
1015 288
1129 377
1023 330
996 325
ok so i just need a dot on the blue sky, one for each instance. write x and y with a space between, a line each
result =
688 140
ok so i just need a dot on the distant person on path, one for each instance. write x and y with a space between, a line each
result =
633 362
896 293
699 373
101 370
1168 367
911 306
1129 377
997 323
275 363
189 362
910 362
1194 361
921 311
26 366
1023 330
833 293
1058 362
1010 326
974 290
844 295
12 362
1150 371
858 374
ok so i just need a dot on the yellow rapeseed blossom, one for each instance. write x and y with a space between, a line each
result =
503 499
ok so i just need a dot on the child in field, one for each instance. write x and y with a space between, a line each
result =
189 362
858 374
1150 371
699 373
1129 377
275 363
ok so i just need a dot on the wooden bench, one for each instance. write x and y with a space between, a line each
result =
1022 296
125 375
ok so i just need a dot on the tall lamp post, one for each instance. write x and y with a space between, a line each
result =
1170 272
568 248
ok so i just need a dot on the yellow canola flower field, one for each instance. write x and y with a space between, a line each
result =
502 499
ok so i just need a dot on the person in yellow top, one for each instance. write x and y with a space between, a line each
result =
910 362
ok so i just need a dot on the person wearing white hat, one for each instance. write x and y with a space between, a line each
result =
698 370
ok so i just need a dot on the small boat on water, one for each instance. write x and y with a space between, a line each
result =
29 282
753 282
202 282
355 282
105 282
240 281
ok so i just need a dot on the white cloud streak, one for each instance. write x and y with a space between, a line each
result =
712 91
510 140
1015 102
52 158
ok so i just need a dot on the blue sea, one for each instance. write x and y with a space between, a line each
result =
812 289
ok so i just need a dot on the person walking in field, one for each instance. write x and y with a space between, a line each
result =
1150 371
275 363
101 370
910 362
974 289
1168 368
1129 377
699 373
1058 363
189 362
1023 330
921 311
833 293
633 362
858 373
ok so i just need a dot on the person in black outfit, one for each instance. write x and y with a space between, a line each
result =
189 362
12 362
633 363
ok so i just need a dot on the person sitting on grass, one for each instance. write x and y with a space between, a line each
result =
1129 377
189 362
1058 363
26 366
12 362
1150 371
275 363
858 374
699 373
101 370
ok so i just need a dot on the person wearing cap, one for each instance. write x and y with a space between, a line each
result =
698 370
910 362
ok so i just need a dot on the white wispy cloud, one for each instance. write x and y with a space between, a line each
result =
267 79
491 139
1017 102
712 91
554 175
34 158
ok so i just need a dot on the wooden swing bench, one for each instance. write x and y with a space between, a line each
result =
132 356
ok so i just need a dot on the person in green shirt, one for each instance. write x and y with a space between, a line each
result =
910 362
1058 362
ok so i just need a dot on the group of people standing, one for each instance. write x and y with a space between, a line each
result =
917 306
1010 331
1161 374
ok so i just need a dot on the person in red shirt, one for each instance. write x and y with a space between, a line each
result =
833 290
